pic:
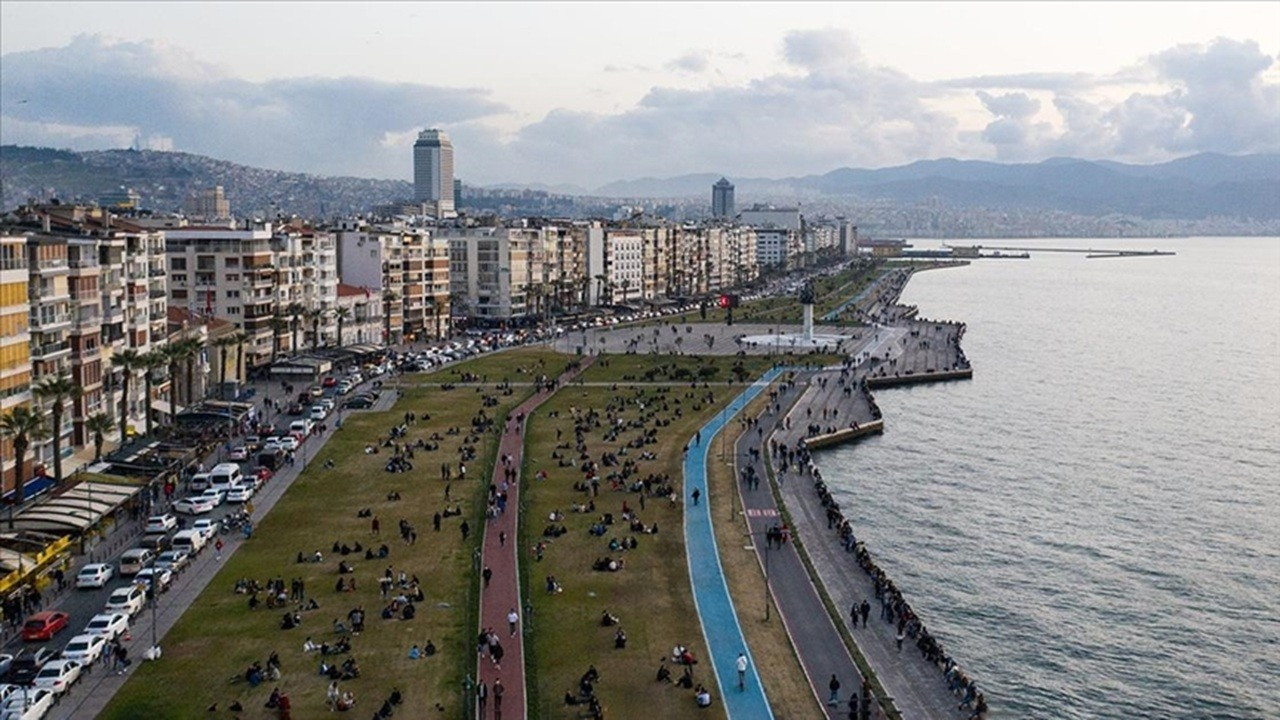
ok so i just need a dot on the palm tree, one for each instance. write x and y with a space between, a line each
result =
23 425
241 338
176 354
58 390
151 362
343 314
130 361
279 324
223 343
99 425
388 297
294 311
314 317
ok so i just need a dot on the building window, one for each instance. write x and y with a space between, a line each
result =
178 263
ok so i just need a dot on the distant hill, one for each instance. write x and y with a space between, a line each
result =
1198 186
164 179
1191 188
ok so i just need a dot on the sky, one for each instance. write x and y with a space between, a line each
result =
584 93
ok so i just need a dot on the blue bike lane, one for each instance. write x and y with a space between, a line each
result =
720 627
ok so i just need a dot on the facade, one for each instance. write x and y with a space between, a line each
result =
493 270
624 266
722 207
230 274
773 246
15 339
361 312
307 282
433 172
407 268
767 216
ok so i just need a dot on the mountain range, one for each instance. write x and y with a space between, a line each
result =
1199 186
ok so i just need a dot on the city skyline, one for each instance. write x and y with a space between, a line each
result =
776 91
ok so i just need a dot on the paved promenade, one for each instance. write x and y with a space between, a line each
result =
500 555
716 611
818 644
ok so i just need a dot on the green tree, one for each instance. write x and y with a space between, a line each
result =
279 325
150 362
129 361
99 425
295 311
343 314
23 425
57 390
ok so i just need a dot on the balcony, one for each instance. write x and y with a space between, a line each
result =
54 266
157 293
87 317
50 323
157 272
49 351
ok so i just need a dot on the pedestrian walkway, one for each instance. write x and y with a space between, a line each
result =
500 554
716 612
817 642
915 684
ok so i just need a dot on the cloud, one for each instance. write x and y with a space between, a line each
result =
827 106
94 92
693 63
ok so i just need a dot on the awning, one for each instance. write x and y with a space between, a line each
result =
164 407
34 487
76 509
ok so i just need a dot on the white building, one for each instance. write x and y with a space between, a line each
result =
495 272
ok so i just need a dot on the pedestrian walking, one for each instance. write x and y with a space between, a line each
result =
217 550
482 697
487 574
502 539
901 636
513 619
742 671
834 699
497 697
697 493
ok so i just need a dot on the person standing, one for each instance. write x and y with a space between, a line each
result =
482 697
834 686
487 574
697 493
217 550
742 671
497 698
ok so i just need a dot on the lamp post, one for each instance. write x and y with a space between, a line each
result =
768 594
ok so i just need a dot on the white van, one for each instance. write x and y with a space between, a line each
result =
301 428
190 540
199 482
224 475
132 561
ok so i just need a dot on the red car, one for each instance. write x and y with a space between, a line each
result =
44 625
330 381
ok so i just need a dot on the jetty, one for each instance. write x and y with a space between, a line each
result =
970 251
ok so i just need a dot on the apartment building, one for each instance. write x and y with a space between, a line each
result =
15 339
360 319
231 273
493 272
407 268
307 283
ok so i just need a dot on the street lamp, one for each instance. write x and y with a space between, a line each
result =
768 594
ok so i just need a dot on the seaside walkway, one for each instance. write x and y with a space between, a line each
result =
500 553
817 642
716 611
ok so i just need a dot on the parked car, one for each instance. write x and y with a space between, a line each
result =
199 482
161 523
239 493
128 599
214 495
27 664
195 505
84 648
358 403
208 527
109 625
173 560
134 560
159 575
94 575
57 676
156 543
31 705
329 382
44 625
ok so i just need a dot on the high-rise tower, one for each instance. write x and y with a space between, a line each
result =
722 199
433 171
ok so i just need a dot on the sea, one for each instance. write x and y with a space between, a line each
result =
1091 525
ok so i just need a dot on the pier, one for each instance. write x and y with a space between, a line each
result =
1089 253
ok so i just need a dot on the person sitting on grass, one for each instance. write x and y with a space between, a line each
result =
346 701
702 696
429 649
620 639
414 652
664 673
607 620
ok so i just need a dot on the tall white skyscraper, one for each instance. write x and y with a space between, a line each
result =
433 171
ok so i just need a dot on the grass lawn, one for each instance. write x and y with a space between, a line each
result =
519 365
219 636
684 368
784 681
651 595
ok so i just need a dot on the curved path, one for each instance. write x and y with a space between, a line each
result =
503 592
716 613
